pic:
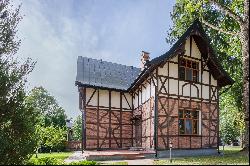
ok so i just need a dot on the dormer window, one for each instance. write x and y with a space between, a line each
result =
189 70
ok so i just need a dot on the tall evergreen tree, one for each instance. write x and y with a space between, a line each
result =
17 118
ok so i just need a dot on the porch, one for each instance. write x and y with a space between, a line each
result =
117 154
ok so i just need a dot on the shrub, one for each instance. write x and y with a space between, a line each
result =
84 162
44 161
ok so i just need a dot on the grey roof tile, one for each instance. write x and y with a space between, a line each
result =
100 73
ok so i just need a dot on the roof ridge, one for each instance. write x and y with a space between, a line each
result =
108 62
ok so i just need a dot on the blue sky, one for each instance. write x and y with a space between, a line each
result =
55 32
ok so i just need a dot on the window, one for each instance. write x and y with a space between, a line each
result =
188 70
188 122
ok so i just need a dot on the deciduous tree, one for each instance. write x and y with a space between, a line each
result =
227 24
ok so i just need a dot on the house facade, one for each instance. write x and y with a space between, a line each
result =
173 98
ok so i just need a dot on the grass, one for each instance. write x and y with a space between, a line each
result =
115 163
60 156
232 156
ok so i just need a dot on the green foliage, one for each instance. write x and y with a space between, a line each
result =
84 162
44 161
119 163
51 126
50 112
56 155
53 138
228 48
17 118
232 156
231 123
77 128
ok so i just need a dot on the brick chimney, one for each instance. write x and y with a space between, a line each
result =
144 58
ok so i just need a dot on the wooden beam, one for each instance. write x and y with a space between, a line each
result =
110 130
91 97
156 116
120 123
98 123
84 120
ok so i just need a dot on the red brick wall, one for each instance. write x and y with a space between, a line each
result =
113 129
146 110
168 124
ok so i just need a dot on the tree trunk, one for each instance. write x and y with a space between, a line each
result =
245 56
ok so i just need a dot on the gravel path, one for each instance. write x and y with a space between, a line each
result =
131 162
76 156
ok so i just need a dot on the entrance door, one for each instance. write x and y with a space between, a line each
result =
138 132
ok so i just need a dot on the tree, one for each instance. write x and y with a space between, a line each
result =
226 22
231 123
53 138
17 118
77 128
51 126
50 112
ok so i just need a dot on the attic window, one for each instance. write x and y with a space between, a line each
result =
188 70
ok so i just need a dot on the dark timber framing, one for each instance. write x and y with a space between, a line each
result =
112 121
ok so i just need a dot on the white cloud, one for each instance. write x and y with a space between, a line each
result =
54 33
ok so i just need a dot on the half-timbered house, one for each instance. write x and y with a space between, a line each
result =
171 98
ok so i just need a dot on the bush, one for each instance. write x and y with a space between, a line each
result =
44 161
84 162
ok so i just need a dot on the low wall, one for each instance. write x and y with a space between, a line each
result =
188 152
74 145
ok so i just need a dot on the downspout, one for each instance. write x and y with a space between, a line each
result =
83 109
156 117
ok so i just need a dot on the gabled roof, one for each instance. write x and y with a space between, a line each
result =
98 73
203 43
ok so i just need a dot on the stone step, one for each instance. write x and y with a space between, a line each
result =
124 156
136 148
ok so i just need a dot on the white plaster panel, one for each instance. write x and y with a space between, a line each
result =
186 90
126 104
213 81
163 70
104 98
173 86
194 91
215 90
205 77
143 94
152 89
174 59
140 102
89 92
165 84
187 47
135 101
181 83
205 92
195 50
173 70
115 99
147 91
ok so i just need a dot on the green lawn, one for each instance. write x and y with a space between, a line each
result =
60 156
115 163
232 156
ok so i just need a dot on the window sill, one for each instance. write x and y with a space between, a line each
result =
192 135
193 82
